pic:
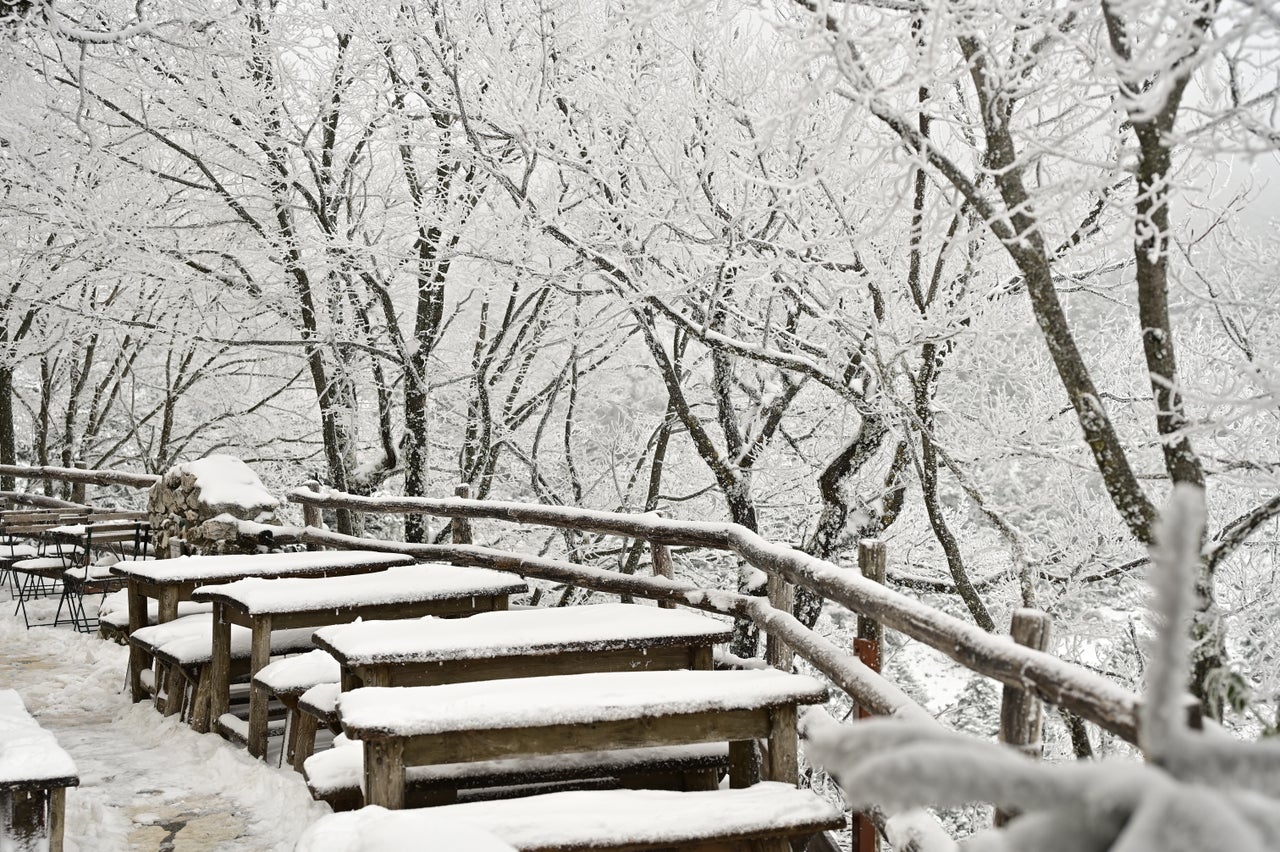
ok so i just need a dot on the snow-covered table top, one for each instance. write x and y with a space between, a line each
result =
30 757
583 819
399 584
211 569
375 829
580 699
601 627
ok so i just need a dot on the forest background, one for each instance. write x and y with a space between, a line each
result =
983 279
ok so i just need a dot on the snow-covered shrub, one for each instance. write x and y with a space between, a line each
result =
1196 792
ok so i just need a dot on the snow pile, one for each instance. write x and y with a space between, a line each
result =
1197 791
194 492
146 781
27 751
577 820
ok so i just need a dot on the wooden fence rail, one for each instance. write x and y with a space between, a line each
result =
1053 680
80 475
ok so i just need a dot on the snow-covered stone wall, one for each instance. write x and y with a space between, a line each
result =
194 492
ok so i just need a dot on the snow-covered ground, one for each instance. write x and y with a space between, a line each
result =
146 782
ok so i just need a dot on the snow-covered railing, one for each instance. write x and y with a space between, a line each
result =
80 475
1049 678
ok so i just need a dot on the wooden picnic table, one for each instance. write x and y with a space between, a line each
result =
498 719
170 581
523 643
262 605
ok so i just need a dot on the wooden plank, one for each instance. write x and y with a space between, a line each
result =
480 744
497 668
452 607
744 764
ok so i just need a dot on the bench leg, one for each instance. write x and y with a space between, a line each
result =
744 764
176 691
22 817
290 734
305 742
57 817
201 712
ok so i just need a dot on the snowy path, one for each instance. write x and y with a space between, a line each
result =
146 783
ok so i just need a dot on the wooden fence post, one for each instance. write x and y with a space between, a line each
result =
461 527
77 488
781 597
1021 713
311 515
872 562
662 567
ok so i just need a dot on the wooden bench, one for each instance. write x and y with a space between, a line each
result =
267 605
35 773
767 817
288 680
334 776
490 720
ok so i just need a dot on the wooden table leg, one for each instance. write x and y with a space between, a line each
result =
783 760
138 659
57 817
259 657
168 605
384 773
219 668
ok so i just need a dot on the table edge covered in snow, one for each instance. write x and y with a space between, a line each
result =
209 569
403 584
651 627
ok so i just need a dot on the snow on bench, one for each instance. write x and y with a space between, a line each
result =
403 726
334 776
113 614
765 816
257 596
34 774
584 699
288 680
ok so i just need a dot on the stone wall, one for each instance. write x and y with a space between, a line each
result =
194 492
